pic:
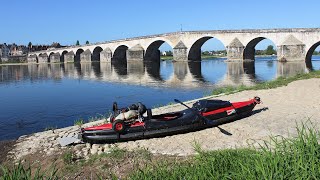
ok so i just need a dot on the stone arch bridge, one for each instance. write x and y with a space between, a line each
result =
292 45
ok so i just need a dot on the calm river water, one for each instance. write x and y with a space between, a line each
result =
39 96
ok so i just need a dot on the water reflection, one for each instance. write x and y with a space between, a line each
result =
153 69
195 70
182 74
239 73
291 68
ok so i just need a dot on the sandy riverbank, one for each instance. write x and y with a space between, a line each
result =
281 109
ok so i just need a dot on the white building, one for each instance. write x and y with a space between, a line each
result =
16 50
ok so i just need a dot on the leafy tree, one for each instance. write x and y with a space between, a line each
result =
29 46
315 53
205 53
169 53
77 43
270 50
87 42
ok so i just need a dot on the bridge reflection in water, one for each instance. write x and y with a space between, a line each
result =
177 74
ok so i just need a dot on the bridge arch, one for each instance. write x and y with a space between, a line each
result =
62 56
96 53
195 50
152 51
120 53
309 54
49 58
77 55
250 49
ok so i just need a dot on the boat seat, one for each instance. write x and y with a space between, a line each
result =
210 105
167 116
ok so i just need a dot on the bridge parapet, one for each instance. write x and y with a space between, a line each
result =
193 40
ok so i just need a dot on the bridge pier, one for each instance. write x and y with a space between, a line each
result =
106 55
43 58
32 59
54 58
180 52
85 56
69 57
136 53
235 50
291 50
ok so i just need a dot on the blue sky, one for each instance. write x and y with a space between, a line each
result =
66 21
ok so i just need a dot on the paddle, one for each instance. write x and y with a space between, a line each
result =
221 130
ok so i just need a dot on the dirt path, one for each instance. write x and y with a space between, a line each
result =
282 108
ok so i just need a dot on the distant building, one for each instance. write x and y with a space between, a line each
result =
16 50
164 53
4 50
55 45
44 47
38 48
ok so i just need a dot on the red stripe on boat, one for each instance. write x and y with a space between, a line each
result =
235 105
137 123
101 127
109 126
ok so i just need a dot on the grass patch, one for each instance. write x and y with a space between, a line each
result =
279 82
20 172
279 158
68 157
210 57
79 122
166 57
117 153
99 117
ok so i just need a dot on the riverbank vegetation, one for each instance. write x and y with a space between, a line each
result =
202 57
277 158
281 81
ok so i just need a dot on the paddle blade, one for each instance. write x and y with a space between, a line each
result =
224 131
177 101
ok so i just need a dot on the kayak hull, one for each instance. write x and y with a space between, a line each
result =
170 123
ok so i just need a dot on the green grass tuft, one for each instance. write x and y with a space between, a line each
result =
279 158
279 82
20 172
79 122
68 157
